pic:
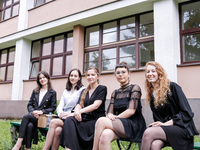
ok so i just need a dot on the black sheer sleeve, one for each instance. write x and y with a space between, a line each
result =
135 97
110 107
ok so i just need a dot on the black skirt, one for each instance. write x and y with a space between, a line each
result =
178 137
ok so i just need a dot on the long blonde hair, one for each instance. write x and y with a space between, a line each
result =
88 87
161 87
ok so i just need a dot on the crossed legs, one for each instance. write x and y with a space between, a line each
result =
153 139
53 134
104 134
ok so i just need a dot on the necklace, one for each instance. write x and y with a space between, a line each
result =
125 85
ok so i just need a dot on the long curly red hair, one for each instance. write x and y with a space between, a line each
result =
161 87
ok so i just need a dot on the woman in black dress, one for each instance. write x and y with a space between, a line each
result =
78 128
172 114
124 118
42 101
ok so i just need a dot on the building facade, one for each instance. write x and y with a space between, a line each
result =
57 35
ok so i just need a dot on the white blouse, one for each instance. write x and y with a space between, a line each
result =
68 101
41 95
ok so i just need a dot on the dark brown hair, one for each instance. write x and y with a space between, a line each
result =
88 87
37 89
123 64
79 83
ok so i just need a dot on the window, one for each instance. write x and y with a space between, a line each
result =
8 9
129 39
40 2
190 32
52 54
7 57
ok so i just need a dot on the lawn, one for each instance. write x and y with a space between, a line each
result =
6 143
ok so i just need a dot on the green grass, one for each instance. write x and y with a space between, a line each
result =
6 142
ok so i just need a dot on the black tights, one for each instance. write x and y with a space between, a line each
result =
26 129
153 139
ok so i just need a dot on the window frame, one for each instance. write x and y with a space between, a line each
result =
7 64
44 2
4 8
62 54
119 43
185 32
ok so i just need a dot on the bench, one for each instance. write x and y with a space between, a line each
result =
14 129
195 147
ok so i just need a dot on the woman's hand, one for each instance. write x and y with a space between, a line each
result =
77 115
63 114
36 113
111 116
69 115
158 123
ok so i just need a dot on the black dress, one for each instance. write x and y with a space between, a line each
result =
121 100
180 135
77 135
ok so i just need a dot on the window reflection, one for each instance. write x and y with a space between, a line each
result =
146 25
70 42
7 13
127 54
59 44
15 10
36 49
11 55
57 66
46 65
127 28
35 69
2 73
10 73
109 59
68 65
92 36
91 59
146 53
39 2
3 56
110 32
191 48
191 16
46 47
8 2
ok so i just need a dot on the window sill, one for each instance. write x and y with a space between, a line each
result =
189 64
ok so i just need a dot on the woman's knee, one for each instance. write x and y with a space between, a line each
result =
101 122
58 131
106 136
157 145
148 133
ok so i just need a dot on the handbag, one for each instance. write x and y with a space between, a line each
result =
42 120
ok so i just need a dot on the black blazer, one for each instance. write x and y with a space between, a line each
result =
48 104
179 110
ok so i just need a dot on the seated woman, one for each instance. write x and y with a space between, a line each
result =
42 101
172 114
124 118
78 130
68 101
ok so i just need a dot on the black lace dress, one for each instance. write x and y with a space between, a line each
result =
121 100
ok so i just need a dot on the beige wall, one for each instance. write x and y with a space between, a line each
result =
6 91
9 26
108 80
60 8
189 80
111 82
